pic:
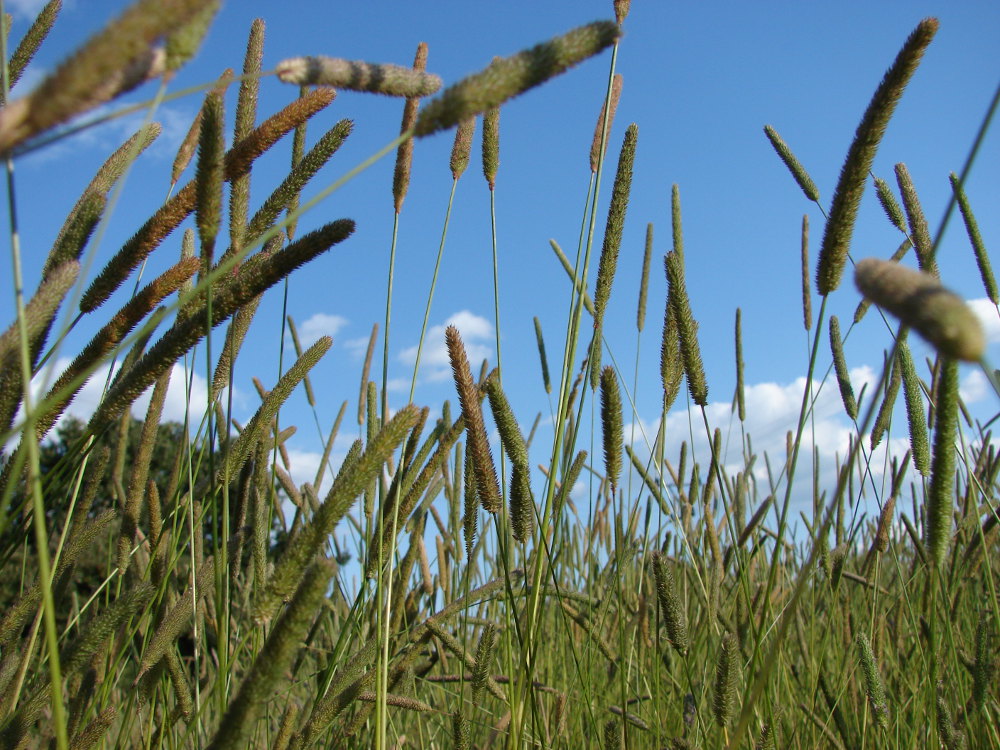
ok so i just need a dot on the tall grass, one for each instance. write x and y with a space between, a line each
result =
163 597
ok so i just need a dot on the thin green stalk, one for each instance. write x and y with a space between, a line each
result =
430 292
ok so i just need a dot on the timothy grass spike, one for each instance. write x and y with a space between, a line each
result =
210 176
889 204
881 423
806 285
874 688
169 216
568 267
112 62
484 658
274 658
921 302
612 244
919 233
541 356
794 166
611 422
670 604
404 154
596 153
941 495
355 75
508 77
491 145
919 443
487 485
972 228
621 10
741 407
462 147
725 690
853 175
983 665
32 40
840 366
687 329
184 41
640 315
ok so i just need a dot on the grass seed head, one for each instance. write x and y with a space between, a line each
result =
861 155
356 75
507 77
920 301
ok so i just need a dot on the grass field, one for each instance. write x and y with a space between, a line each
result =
168 586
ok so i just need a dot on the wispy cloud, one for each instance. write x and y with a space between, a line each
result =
477 333
317 326
24 8
186 394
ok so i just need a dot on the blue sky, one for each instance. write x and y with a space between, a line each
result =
700 80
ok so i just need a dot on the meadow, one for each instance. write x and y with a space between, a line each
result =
171 585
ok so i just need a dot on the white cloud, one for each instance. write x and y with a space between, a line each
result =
107 136
24 8
476 332
319 325
189 396
974 387
772 410
986 311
